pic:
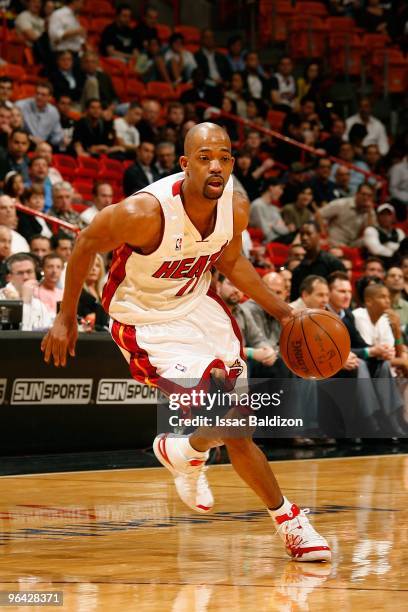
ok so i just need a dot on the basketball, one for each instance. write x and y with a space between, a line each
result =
315 344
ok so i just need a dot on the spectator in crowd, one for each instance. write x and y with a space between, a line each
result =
5 125
62 206
373 267
323 188
8 217
347 218
376 133
47 291
41 119
149 130
283 86
174 121
298 213
62 244
309 84
237 94
337 132
146 29
285 152
348 265
265 215
64 106
341 188
256 346
287 277
315 261
29 225
373 17
96 83
150 64
142 172
314 293
89 307
249 173
126 132
29 23
66 78
347 154
21 285
394 281
64 29
16 119
180 63
44 150
373 159
103 197
118 40
379 324
13 184
399 187
254 76
6 91
295 180
201 91
383 239
236 53
15 158
5 252
39 177
258 149
40 246
166 159
215 65
93 135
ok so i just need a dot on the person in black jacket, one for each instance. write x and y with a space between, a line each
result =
66 78
142 172
215 65
95 83
315 260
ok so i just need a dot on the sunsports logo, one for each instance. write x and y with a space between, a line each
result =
114 390
51 391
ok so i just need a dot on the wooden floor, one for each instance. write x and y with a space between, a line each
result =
121 540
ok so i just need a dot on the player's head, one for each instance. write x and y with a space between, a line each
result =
207 160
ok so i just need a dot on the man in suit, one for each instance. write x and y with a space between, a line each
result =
95 83
142 172
214 64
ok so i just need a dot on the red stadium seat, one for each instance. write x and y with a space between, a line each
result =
17 73
317 9
113 66
340 24
119 83
191 34
66 165
163 32
276 119
83 187
111 170
307 37
256 234
161 91
135 89
88 168
98 8
277 252
346 51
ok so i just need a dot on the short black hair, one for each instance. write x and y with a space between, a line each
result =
337 275
373 259
55 240
18 257
363 283
91 101
19 131
6 79
39 236
123 6
174 37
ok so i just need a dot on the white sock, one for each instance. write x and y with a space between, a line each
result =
285 508
187 451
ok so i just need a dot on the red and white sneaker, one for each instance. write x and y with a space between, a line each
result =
302 541
189 474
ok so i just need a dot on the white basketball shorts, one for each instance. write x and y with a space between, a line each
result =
179 355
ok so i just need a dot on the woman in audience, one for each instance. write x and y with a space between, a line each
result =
14 185
29 225
236 92
16 119
90 309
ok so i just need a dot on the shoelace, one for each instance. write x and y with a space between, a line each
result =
288 526
198 479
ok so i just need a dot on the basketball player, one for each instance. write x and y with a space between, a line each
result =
167 323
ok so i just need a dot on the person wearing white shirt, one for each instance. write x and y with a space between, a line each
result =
22 283
8 217
399 187
29 23
376 133
64 30
127 134
383 240
103 196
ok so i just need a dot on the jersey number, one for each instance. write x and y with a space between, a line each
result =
190 286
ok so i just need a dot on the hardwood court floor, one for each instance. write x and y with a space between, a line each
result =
121 540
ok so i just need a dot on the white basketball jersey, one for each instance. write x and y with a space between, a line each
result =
168 283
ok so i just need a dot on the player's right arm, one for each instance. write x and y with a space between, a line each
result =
136 221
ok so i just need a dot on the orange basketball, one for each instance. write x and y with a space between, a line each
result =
315 344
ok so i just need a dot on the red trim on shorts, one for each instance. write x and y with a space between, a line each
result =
176 189
116 274
145 372
234 323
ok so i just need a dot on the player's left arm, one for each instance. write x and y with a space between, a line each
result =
239 270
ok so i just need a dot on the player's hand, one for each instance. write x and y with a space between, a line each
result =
60 339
